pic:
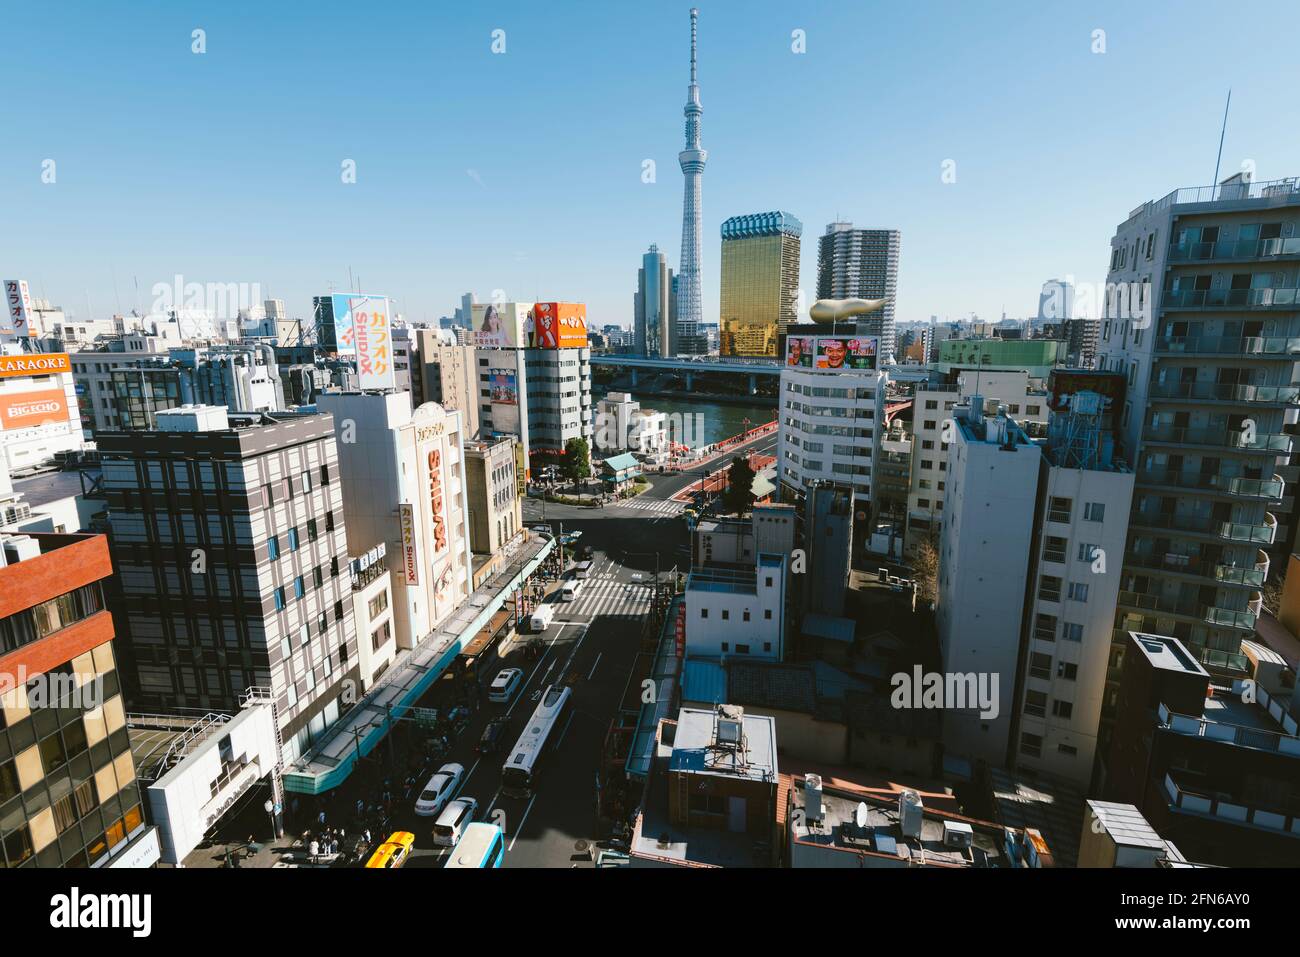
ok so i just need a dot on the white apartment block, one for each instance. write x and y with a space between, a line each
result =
984 550
737 610
623 426
1082 522
932 408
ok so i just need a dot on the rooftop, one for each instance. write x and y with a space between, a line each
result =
1167 654
697 749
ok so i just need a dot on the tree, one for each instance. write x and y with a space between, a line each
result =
577 460
739 495
925 569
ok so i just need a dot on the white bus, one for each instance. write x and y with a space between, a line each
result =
519 773
482 845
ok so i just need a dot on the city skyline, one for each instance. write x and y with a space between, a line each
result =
240 186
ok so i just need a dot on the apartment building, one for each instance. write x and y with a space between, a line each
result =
738 609
446 374
228 535
862 264
1203 321
494 487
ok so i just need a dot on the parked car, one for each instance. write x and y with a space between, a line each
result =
440 789
494 735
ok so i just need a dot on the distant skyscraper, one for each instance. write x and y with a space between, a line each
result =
862 264
654 306
760 282
692 162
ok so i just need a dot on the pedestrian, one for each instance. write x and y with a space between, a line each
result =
314 849
366 835
320 818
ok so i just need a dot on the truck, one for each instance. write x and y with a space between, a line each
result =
541 617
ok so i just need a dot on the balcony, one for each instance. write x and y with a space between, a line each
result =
1279 443
1263 534
1277 248
1232 393
1231 346
1213 482
1269 297
1192 567
1210 614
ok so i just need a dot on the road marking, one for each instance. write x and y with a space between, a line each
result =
593 667
521 822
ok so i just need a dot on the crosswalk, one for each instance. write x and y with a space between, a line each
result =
653 507
606 596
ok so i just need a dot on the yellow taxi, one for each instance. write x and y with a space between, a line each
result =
394 851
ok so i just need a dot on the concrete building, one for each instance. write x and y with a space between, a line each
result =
92 373
831 417
710 796
404 474
372 614
1203 325
1035 356
67 778
1212 765
654 306
39 418
862 264
1117 835
622 425
494 489
760 283
993 471
447 374
229 540
738 610
770 528
827 541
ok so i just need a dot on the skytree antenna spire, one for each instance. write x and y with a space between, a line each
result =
692 162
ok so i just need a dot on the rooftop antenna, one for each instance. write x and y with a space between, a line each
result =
1222 132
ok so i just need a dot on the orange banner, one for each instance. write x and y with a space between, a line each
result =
34 363
29 409
560 325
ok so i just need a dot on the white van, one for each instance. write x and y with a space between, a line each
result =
570 589
505 684
452 821
540 619
582 570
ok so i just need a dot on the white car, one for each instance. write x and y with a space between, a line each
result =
439 790
451 822
505 684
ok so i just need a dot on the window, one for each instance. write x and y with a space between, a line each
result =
1068 750
293 539
1087 552
379 637
1062 709
378 603
268 496
742 649
1058 509
273 547
304 635
279 599
1054 549
1049 588
306 482
1078 591
767 614
1036 703
726 614
1094 512
1067 671
311 529
324 475
1045 628
299 589
1031 744
1040 665
746 615
1072 631
704 613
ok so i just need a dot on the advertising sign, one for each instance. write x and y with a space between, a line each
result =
799 351
345 341
18 309
437 500
27 410
503 386
410 557
834 352
521 470
42 363
558 325
498 325
372 333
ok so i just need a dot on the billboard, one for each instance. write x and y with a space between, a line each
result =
503 386
837 352
799 351
499 325
344 341
26 410
18 309
34 363
558 325
521 470
410 556
373 337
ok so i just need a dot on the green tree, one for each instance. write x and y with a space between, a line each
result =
577 460
739 495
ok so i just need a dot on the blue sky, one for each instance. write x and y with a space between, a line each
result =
225 167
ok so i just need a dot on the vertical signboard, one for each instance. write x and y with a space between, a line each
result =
372 334
17 316
345 343
558 325
410 556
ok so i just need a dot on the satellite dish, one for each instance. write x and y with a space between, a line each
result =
860 815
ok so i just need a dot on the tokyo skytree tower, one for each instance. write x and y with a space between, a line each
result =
692 162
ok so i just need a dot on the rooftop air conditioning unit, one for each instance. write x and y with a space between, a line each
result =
911 813
814 810
957 834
